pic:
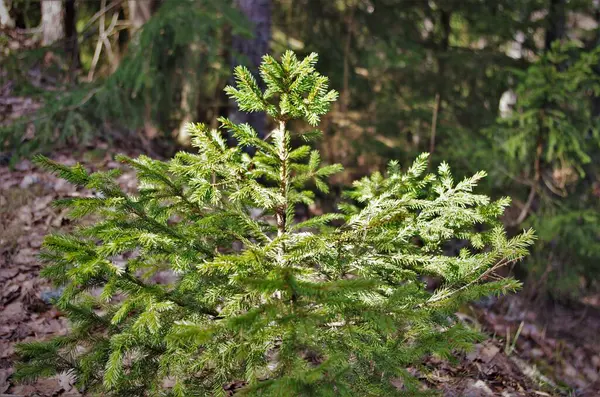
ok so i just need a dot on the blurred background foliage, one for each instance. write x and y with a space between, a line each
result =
509 86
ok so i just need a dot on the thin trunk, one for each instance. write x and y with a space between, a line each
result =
52 22
189 88
596 98
183 136
249 51
221 97
434 119
345 96
556 22
5 19
124 35
139 13
71 39
439 95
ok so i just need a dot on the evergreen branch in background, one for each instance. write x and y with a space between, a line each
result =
332 305
550 141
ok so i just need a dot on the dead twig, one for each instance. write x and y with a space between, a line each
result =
99 14
103 40
434 119
525 209
536 179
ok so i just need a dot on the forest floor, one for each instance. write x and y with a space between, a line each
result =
528 353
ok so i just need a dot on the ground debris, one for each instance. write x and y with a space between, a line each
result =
558 346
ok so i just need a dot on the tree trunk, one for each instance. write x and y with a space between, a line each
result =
139 13
189 97
249 51
556 22
445 17
5 19
53 28
71 39
596 98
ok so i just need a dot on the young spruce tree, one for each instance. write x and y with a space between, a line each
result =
332 306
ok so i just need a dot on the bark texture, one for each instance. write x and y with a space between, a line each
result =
53 28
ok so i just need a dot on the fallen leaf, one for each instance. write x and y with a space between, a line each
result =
7 274
41 203
9 293
483 352
477 389
25 256
14 311
23 165
4 385
6 349
29 180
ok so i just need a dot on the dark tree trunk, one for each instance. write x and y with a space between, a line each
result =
445 18
71 39
556 22
249 51
595 98
124 34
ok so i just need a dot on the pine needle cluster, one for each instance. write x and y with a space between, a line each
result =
335 305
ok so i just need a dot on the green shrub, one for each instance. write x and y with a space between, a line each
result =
549 147
334 305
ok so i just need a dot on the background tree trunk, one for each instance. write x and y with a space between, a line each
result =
444 22
139 12
596 98
53 28
5 19
249 51
189 97
556 22
71 39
